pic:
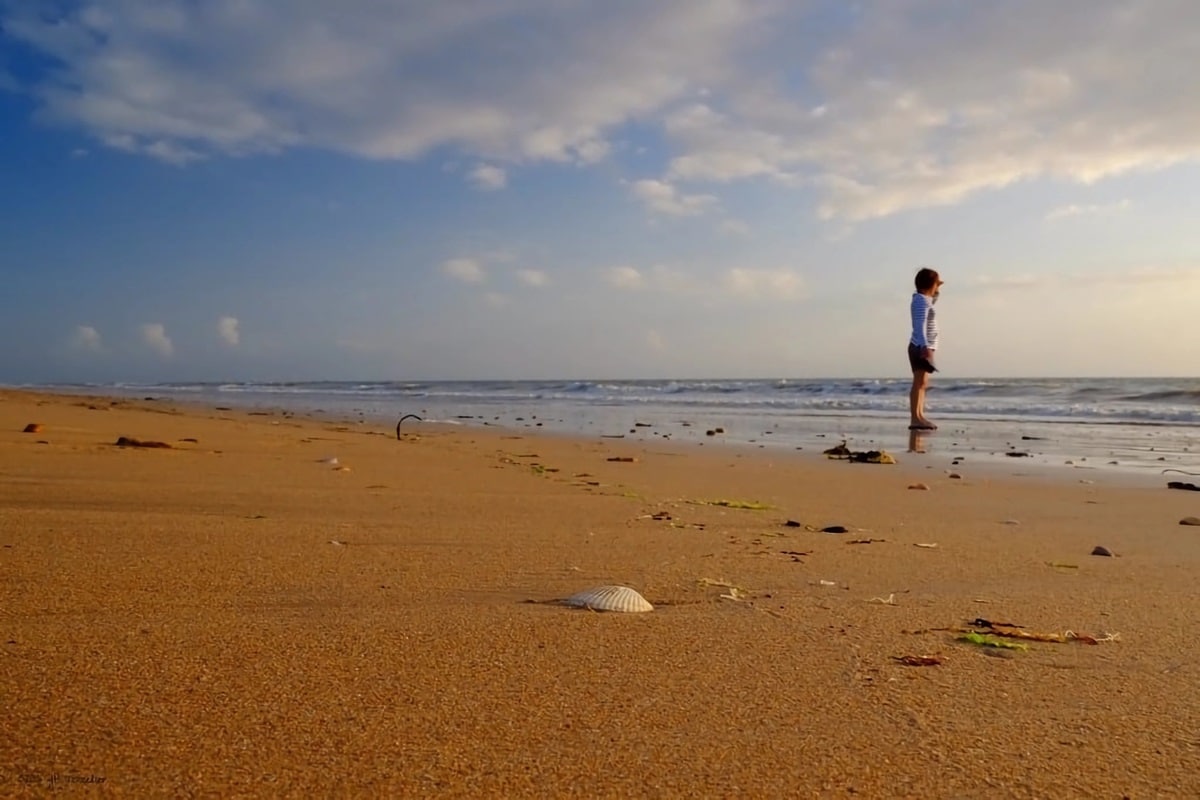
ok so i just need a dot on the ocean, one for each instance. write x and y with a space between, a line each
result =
1144 425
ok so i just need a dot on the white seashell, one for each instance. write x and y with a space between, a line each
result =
610 598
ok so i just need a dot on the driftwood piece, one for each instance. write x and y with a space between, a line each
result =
401 422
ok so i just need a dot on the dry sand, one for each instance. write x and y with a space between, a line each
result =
180 622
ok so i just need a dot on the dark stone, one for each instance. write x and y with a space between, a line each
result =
126 441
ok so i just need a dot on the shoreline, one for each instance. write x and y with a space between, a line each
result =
1134 454
238 615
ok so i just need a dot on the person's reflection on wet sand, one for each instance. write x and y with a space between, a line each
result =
916 441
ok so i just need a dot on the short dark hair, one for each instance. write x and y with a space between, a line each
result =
927 279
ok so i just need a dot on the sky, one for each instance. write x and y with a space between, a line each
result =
245 190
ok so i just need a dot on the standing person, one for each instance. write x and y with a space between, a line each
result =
922 345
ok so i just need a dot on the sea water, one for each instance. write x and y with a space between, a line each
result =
1144 425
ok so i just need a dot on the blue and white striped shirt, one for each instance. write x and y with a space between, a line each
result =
924 322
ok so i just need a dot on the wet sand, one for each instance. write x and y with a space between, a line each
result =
233 616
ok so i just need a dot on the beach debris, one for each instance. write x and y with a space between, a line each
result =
622 459
1018 454
336 543
796 555
873 457
918 661
749 505
1100 550
610 598
835 529
1187 487
843 452
919 487
791 523
954 476
401 422
1011 522
128 441
865 541
643 425
33 427
718 582
1033 438
980 622
734 593
1190 521
824 582
331 461
1060 565
988 640
926 545
890 600
1012 631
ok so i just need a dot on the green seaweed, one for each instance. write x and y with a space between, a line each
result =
749 505
987 640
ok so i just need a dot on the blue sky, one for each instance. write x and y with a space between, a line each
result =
254 190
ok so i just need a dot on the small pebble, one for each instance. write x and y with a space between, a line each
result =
1190 521
1101 551
919 487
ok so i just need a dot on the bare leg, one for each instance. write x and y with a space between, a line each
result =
916 398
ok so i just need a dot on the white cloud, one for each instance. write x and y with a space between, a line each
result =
488 177
911 115
467 270
626 278
1063 212
227 329
532 277
373 79
154 336
882 113
87 339
495 299
781 284
713 286
664 198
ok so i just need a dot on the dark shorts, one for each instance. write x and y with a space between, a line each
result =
918 362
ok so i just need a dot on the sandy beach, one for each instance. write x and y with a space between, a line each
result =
237 615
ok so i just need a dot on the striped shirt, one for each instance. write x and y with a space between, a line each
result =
924 322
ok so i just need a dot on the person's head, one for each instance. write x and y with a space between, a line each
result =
927 280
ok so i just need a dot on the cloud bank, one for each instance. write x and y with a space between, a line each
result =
875 108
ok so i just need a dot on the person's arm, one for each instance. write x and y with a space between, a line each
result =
920 315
